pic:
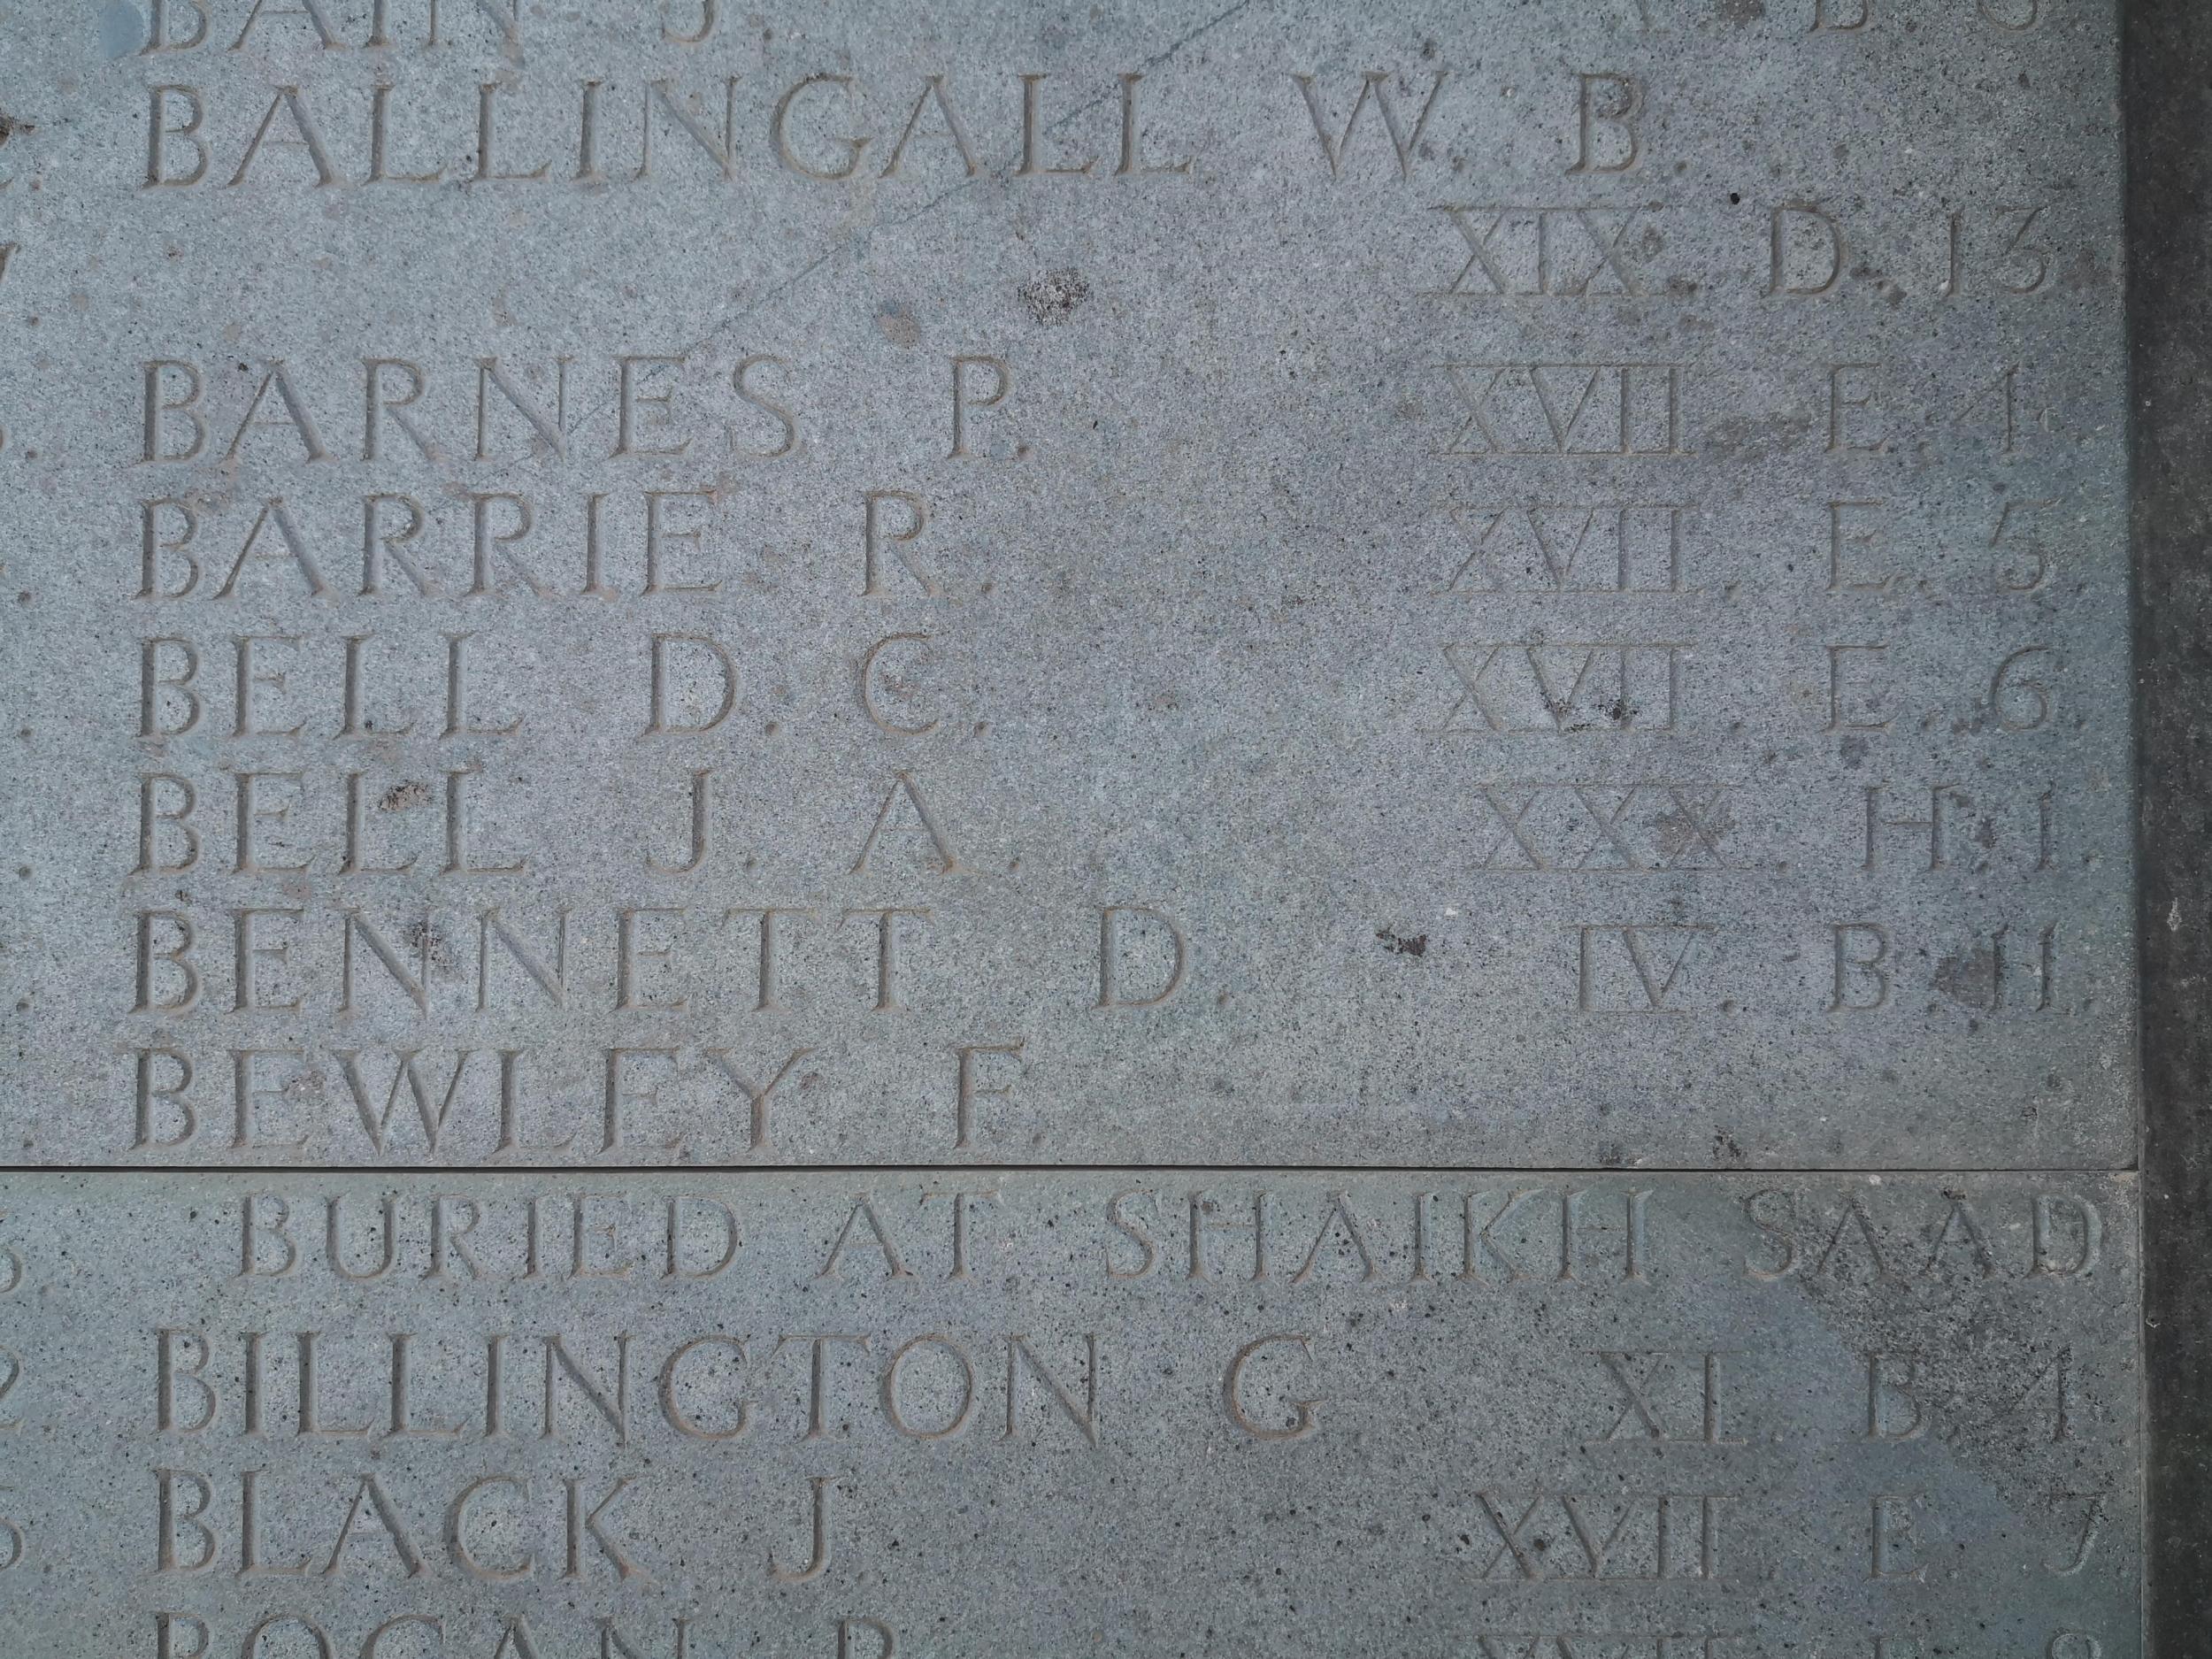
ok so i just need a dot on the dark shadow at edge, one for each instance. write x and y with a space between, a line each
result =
2167 66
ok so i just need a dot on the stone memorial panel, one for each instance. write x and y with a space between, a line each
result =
990 829
1297 583
1496 1415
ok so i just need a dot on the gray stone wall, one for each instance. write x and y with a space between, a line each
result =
1152 828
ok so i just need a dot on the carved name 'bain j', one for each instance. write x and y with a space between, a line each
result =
1162 829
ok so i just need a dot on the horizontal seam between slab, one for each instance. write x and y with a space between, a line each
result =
770 1170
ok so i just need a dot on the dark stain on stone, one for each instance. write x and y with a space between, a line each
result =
1052 298
898 325
1969 978
430 945
1678 830
400 797
1417 945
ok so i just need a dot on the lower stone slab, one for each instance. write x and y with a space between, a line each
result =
983 1412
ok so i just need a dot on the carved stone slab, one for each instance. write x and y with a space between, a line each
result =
1175 829
1496 1415
1398 584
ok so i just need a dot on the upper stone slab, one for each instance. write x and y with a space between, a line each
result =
1471 583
